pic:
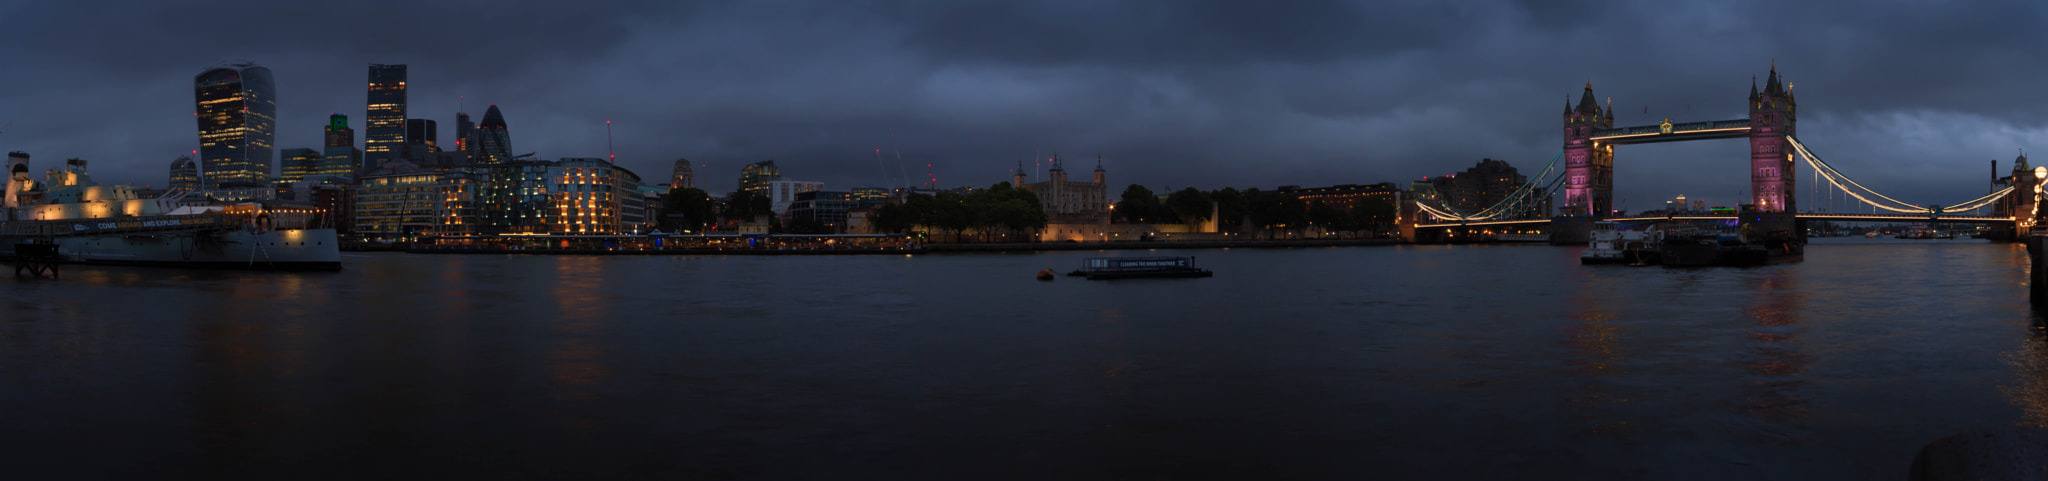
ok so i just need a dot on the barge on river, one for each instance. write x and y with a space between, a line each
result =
1106 268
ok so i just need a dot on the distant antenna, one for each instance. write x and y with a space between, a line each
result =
609 154
885 168
901 170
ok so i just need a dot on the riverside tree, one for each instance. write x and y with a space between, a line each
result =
1139 205
1190 205
693 204
999 210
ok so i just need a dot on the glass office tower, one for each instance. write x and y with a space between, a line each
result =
494 141
237 125
384 122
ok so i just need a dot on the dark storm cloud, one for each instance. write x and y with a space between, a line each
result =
1911 98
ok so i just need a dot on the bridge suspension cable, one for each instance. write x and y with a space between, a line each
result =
1843 182
1515 203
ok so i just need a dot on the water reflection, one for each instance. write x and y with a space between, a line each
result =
1594 341
2029 388
1775 364
578 362
232 407
777 368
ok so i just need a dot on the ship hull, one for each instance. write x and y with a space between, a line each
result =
295 249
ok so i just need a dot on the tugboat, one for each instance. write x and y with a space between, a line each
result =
1605 246
1611 244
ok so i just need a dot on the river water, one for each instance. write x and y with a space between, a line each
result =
1352 362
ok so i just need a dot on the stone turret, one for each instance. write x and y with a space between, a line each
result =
1772 119
1589 166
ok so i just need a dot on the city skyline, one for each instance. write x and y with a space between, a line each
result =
1916 100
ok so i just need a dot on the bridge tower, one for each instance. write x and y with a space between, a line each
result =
1773 116
2020 204
1589 166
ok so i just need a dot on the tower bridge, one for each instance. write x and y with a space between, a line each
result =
1586 177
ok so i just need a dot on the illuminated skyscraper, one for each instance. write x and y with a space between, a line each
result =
237 125
494 141
184 174
464 129
296 164
421 132
756 176
684 178
384 124
340 157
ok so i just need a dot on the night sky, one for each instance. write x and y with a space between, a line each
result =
1913 99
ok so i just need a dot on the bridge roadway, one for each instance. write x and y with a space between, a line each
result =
1958 219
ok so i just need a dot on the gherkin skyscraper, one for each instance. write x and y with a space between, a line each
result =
494 141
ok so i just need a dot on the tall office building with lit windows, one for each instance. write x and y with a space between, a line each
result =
493 140
237 125
422 132
384 122
464 130
296 164
340 156
184 174
754 178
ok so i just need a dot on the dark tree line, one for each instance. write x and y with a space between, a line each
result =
693 205
1265 211
696 209
999 212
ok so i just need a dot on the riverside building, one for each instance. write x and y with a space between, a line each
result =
782 193
754 178
514 197
580 196
828 208
397 201
1344 196
455 210
1479 187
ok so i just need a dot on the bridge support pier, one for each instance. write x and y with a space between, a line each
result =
1574 230
36 259
2037 272
1764 224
